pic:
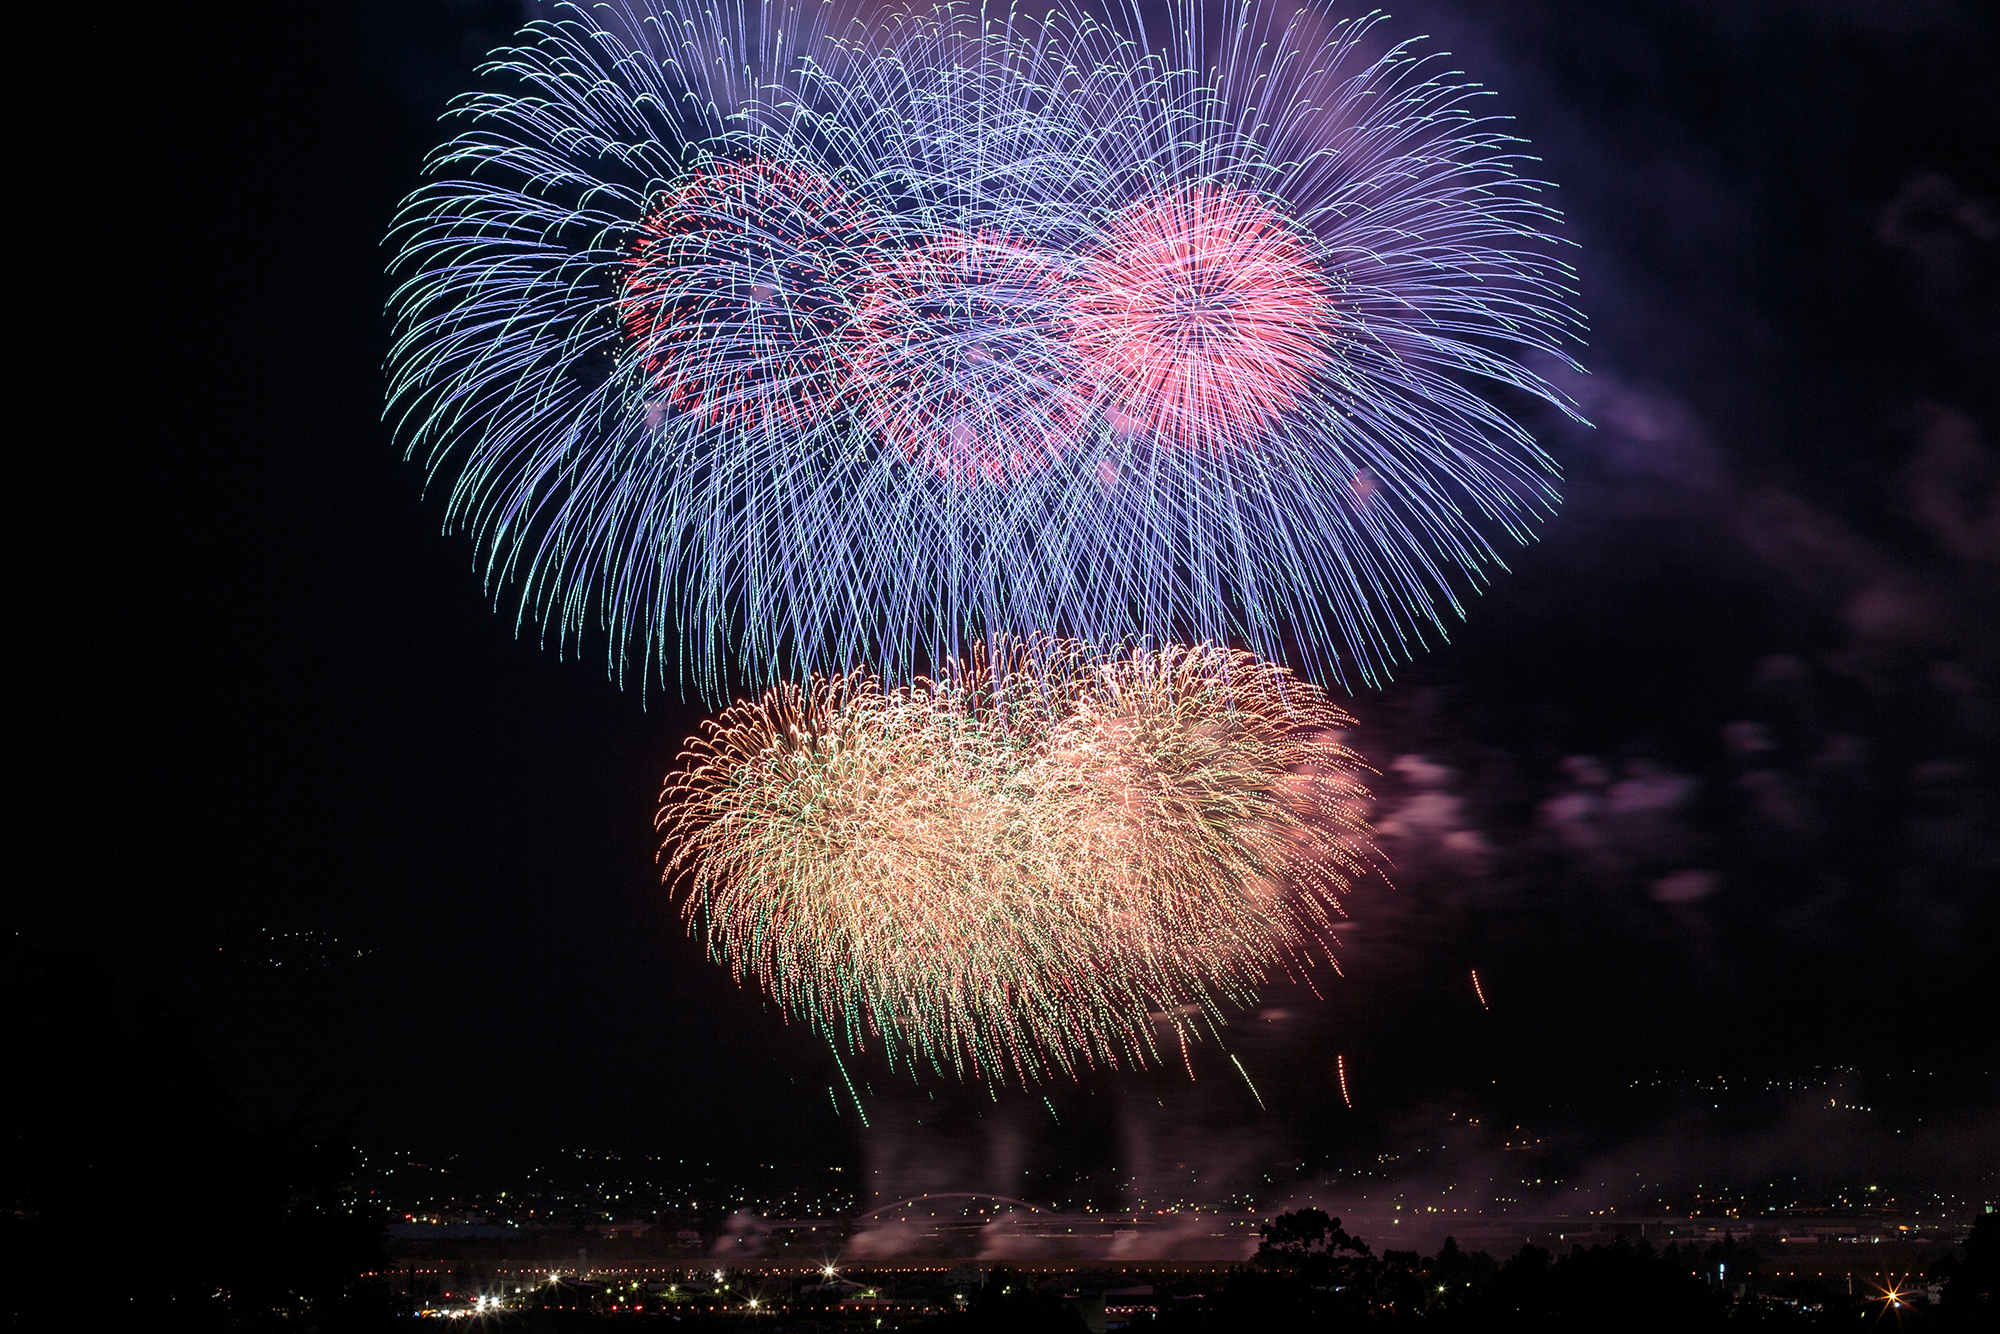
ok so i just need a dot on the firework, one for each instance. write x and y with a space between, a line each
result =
960 361
1204 319
740 281
766 343
1023 865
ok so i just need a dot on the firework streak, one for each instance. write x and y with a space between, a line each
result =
767 342
1015 870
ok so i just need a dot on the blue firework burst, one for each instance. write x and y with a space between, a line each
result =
763 343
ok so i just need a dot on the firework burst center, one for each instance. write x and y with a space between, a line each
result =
1202 316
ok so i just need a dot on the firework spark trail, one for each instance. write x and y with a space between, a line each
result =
766 341
959 359
1340 1067
860 1111
1479 991
1246 1079
1026 865
739 282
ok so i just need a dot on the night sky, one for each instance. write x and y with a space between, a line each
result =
1706 783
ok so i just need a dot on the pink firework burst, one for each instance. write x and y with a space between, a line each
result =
741 276
1201 316
960 358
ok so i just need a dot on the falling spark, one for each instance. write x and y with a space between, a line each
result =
1479 991
859 1109
1340 1065
1246 1079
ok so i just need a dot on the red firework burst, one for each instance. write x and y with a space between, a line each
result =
960 358
1201 316
739 282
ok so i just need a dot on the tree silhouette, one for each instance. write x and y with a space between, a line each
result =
1306 1244
1009 1304
1604 1287
1971 1280
134 1191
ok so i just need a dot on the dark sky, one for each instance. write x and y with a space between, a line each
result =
1707 781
